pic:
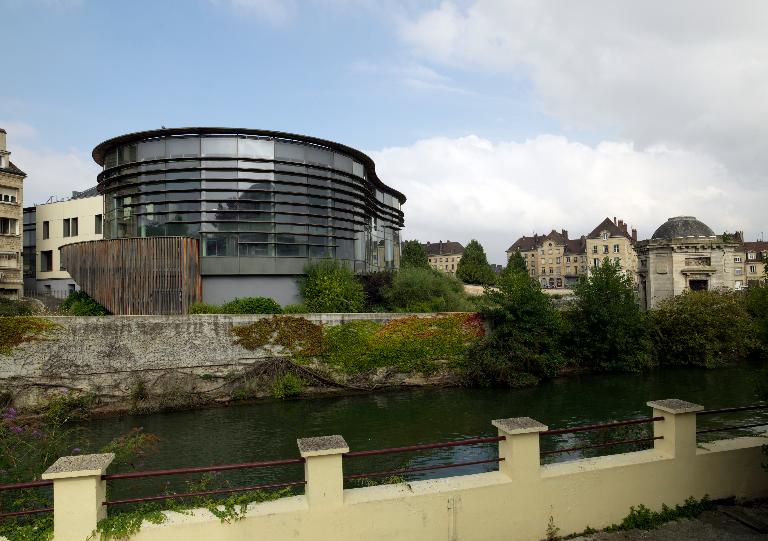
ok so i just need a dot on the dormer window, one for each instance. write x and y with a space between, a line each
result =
605 235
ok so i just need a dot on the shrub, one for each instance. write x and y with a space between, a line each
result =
413 255
251 305
425 290
756 304
287 385
330 287
409 344
204 308
375 286
16 330
608 329
295 309
523 338
702 328
79 303
473 267
10 307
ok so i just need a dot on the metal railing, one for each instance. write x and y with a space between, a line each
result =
602 426
422 447
204 469
731 410
25 486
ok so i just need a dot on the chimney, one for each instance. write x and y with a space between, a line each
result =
614 220
634 235
564 232
2 140
5 156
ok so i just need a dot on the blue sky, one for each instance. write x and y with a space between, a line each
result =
495 117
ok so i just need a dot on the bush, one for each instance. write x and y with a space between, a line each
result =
608 329
79 303
330 287
295 309
409 344
523 338
702 328
287 385
756 303
375 286
10 307
204 308
425 290
251 305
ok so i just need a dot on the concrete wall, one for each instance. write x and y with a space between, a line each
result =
517 502
220 289
108 356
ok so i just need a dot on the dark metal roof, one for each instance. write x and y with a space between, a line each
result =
101 148
89 192
613 229
13 170
681 227
443 248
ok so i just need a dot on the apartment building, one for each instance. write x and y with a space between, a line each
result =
11 195
53 225
554 260
611 239
749 259
444 256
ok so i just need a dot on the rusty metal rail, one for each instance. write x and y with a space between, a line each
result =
725 428
28 484
585 428
600 445
423 447
732 410
26 512
422 468
205 493
202 469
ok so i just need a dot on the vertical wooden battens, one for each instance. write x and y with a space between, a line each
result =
153 275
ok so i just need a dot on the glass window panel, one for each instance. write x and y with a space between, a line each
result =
342 163
318 240
319 220
345 249
182 230
289 151
210 174
260 166
219 146
257 250
182 175
184 207
319 156
318 201
218 226
320 251
256 148
283 228
358 169
182 185
220 185
261 227
255 237
220 164
219 245
317 182
286 198
151 150
254 205
279 186
221 216
182 196
127 153
257 195
287 207
256 216
314 230
178 147
291 250
256 175
215 195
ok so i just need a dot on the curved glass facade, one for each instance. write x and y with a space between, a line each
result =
251 196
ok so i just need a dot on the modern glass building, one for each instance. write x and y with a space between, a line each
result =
262 203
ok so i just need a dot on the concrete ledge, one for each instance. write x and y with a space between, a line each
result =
79 466
324 445
674 405
519 425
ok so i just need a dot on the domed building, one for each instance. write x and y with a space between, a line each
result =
683 253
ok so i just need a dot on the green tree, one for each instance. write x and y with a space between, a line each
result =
609 331
522 344
704 328
425 290
327 286
516 263
413 255
473 267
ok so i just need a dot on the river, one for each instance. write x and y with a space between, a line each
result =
268 430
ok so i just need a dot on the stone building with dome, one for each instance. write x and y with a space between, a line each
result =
682 254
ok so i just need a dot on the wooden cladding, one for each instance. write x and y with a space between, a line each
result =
154 275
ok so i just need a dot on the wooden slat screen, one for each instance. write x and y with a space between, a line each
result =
153 275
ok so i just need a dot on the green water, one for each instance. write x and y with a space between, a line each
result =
268 430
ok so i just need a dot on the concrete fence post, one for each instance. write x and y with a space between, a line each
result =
678 427
323 470
78 494
520 449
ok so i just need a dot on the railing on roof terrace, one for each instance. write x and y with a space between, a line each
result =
324 459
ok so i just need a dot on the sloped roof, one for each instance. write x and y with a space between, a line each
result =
613 230
759 246
681 227
576 246
13 170
443 248
525 244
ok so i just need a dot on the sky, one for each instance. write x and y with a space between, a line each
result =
496 118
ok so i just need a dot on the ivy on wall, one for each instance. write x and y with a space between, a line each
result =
16 330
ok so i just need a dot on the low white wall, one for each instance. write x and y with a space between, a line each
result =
514 503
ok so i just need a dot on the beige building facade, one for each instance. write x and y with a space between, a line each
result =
78 219
11 220
444 256
554 260
749 259
612 240
684 254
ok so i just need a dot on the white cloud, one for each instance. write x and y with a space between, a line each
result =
415 76
53 172
470 187
275 11
689 72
